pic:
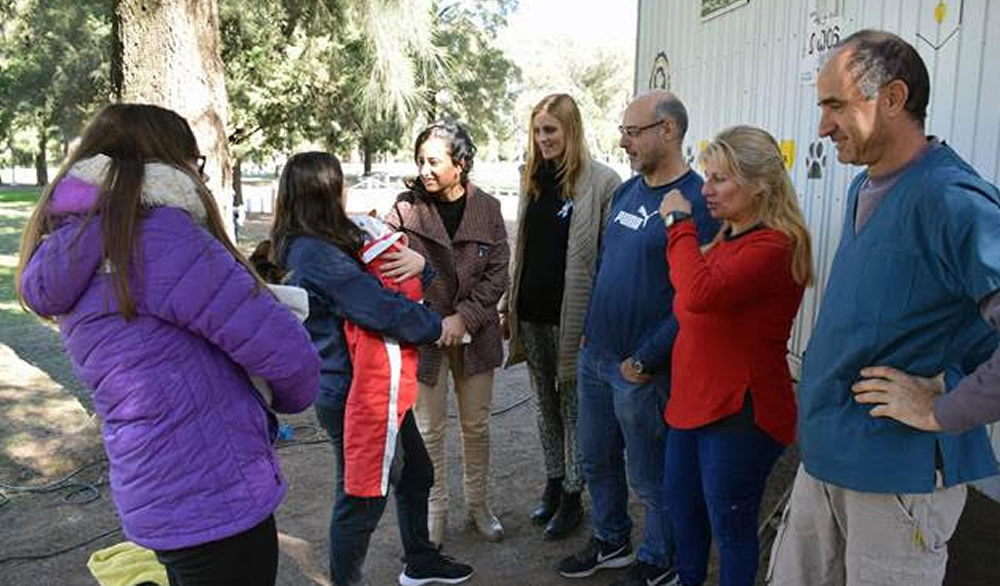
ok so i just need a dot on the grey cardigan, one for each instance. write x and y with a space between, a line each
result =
590 208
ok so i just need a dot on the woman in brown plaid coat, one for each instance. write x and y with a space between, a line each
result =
460 230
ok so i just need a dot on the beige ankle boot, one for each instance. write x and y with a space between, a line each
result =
485 522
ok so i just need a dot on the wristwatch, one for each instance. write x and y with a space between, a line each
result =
676 216
637 366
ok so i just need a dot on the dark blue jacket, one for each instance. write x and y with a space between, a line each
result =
340 289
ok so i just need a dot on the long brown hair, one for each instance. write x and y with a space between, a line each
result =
754 158
131 135
311 203
575 157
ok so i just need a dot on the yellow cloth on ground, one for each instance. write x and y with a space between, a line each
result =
126 564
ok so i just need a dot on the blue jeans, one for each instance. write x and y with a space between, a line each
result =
354 519
717 475
616 418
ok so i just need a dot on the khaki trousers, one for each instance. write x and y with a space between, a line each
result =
474 395
832 536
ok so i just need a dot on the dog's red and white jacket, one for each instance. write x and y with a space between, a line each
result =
384 381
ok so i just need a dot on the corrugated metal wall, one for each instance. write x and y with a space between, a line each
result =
744 67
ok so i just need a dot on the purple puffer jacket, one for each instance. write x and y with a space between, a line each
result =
184 429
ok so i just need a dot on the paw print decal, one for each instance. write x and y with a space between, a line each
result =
815 160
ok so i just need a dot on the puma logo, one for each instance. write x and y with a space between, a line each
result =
633 221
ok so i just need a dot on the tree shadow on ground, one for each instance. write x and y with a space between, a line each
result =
45 431
35 341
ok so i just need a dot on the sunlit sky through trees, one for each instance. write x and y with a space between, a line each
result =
601 21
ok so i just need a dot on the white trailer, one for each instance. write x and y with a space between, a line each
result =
755 62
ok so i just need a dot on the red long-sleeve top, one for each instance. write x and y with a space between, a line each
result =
735 306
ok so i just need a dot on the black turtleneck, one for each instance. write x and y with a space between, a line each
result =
451 213
546 234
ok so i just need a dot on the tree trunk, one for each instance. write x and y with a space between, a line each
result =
367 155
237 181
167 52
41 159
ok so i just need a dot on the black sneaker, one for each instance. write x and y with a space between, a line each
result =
434 568
598 555
643 574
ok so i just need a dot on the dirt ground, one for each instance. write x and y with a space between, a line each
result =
46 431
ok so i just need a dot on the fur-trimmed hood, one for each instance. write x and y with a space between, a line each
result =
166 191
162 186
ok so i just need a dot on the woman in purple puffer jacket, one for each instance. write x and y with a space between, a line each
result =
164 319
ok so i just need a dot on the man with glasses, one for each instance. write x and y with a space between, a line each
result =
624 365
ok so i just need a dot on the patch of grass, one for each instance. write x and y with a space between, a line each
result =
19 194
6 284
13 216
258 179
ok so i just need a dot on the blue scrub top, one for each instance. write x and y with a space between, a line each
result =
903 292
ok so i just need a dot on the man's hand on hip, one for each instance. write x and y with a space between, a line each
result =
631 374
904 397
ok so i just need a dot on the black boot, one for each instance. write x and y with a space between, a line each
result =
549 503
567 518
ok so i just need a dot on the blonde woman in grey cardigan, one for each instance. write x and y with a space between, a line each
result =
561 216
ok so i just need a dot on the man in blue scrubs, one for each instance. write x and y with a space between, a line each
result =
876 501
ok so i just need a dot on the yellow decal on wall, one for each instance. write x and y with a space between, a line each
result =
941 11
788 153
947 23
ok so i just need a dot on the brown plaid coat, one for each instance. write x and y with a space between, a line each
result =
471 272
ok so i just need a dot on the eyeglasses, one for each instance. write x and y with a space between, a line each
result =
200 159
634 131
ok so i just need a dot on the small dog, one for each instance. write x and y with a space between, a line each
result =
265 267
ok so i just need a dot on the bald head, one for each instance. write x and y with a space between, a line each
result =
875 58
873 99
661 104
653 128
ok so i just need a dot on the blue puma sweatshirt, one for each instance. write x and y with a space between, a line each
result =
631 307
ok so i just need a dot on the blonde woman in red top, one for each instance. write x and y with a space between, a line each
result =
731 408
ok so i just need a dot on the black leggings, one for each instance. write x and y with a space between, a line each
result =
245 559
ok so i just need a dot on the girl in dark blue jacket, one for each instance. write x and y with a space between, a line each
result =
316 244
